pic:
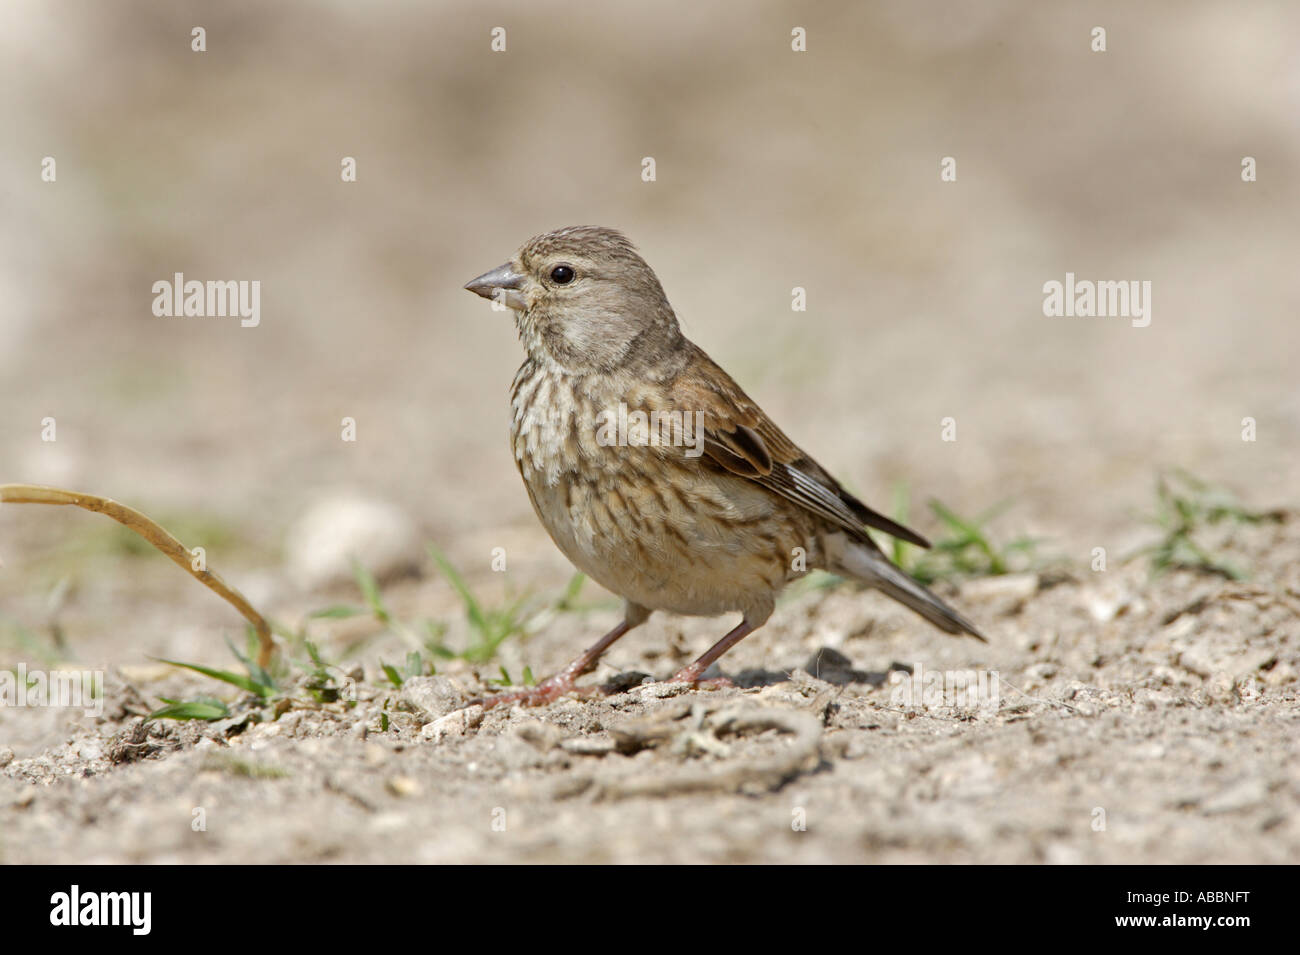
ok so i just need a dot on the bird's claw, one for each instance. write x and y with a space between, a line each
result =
548 691
712 683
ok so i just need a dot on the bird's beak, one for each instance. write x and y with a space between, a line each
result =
502 284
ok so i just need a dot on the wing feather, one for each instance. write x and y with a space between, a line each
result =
740 438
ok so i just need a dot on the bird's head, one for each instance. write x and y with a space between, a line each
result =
584 299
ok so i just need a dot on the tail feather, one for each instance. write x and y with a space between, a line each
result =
910 593
867 564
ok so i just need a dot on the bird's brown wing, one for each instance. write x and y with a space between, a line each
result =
740 438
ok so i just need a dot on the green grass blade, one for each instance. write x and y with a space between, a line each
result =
473 610
337 612
193 710
370 592
225 676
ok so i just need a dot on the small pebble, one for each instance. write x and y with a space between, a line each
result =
402 786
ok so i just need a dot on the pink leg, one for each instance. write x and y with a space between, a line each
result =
691 674
554 687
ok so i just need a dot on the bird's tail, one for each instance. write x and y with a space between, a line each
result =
864 562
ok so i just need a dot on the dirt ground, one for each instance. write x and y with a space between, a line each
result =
1132 723
1126 716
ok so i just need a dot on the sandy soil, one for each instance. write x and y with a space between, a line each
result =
1138 718
1133 722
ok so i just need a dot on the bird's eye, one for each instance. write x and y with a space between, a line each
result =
562 275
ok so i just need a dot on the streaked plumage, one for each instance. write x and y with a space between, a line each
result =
716 530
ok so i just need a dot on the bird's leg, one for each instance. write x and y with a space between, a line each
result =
691 674
565 681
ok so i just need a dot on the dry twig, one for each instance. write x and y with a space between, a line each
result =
155 534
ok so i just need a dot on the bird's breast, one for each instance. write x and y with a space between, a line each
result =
647 521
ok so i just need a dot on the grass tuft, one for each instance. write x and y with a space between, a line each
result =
1185 506
964 549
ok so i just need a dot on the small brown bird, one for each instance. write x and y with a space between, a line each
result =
652 471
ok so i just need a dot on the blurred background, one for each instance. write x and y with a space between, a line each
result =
775 169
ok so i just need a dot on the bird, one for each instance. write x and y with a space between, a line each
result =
653 472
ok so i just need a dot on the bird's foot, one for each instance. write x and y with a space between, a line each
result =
691 675
548 691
